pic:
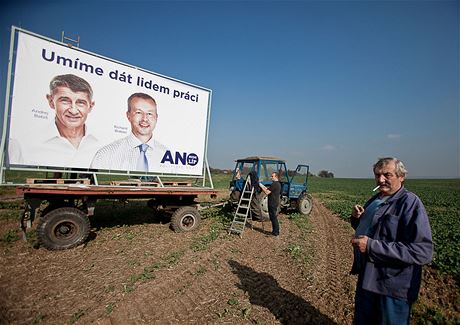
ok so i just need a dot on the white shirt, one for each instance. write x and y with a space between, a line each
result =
123 154
49 148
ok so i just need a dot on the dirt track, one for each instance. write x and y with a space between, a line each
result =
145 273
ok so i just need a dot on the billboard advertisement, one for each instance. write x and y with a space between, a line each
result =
74 109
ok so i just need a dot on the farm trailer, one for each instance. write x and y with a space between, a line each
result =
64 222
183 135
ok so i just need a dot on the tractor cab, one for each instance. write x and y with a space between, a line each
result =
294 184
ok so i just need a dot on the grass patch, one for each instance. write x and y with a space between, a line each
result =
423 315
233 302
203 242
10 236
201 271
32 238
76 316
149 271
220 220
173 258
126 234
144 276
299 250
12 205
301 221
109 308
295 251
9 214
38 319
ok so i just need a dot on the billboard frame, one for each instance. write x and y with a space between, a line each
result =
4 164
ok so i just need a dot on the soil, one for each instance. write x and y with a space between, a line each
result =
140 272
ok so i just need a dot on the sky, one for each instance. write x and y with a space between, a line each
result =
331 84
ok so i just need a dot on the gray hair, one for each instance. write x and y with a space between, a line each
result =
73 82
400 170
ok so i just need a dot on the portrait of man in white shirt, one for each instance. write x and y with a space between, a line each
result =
139 151
66 142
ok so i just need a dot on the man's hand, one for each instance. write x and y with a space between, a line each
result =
360 242
357 211
264 188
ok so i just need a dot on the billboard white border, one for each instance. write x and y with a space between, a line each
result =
7 115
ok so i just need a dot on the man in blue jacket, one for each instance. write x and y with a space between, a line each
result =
391 243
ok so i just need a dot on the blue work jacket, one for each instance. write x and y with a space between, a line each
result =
400 242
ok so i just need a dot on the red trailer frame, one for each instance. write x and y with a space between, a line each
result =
64 222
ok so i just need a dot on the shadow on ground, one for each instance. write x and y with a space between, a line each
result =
113 213
264 290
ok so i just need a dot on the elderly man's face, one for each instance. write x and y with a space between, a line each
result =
386 177
72 108
142 116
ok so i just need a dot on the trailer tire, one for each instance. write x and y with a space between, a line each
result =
63 228
185 219
259 206
304 204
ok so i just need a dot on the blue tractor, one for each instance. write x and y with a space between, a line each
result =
294 184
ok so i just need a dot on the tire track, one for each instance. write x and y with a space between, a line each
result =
333 260
252 273
178 298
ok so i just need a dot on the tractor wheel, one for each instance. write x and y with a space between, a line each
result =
259 206
185 219
235 196
304 204
63 228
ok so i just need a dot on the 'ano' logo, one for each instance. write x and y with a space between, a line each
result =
180 158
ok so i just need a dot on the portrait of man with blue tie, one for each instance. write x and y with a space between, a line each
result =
139 151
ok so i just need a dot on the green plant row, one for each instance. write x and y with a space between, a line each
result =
440 197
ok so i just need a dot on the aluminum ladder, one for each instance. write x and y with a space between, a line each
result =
243 211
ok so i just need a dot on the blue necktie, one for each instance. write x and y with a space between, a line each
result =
142 162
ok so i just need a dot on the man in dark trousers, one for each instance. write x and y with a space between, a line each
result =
273 193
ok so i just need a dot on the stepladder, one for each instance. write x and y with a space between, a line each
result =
243 210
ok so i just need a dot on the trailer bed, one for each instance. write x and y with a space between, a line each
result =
109 191
64 221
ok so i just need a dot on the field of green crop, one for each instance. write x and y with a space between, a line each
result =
440 197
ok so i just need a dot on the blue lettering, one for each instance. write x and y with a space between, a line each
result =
180 158
51 59
185 95
150 85
75 64
167 157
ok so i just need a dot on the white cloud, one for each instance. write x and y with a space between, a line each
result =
393 136
328 147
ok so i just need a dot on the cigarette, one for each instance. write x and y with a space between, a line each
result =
376 188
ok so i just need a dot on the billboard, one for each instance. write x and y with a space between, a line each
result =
74 109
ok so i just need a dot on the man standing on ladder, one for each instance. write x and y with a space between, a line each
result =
273 193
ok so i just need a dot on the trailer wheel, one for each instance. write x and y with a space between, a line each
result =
304 204
63 228
259 206
185 219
